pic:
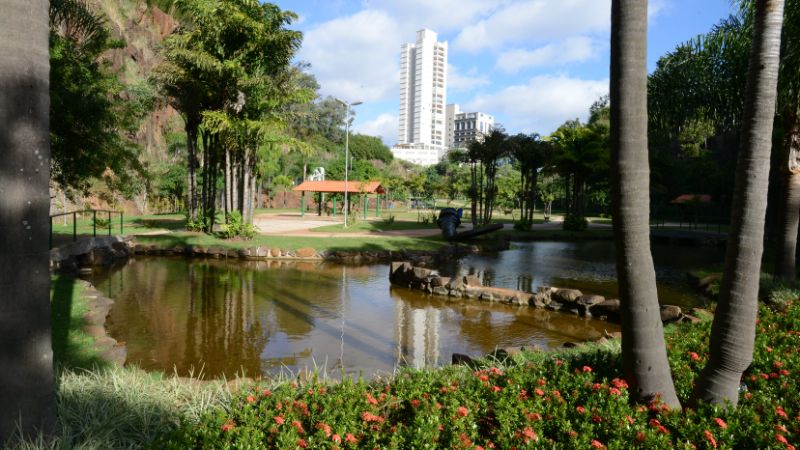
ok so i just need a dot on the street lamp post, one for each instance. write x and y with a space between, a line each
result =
346 153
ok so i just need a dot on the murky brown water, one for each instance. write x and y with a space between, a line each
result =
263 317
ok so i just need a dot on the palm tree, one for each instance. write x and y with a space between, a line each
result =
789 112
643 351
284 182
27 388
733 330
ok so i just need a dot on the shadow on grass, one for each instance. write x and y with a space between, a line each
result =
160 223
72 347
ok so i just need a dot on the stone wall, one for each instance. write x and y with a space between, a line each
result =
557 299
422 257
97 251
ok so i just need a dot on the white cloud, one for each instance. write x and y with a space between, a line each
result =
438 15
535 20
355 57
457 82
576 49
542 104
384 126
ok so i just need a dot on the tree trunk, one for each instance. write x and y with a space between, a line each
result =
786 248
191 150
226 176
733 330
644 353
27 388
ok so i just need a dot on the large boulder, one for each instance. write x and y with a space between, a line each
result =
608 308
472 281
566 295
439 281
670 313
306 252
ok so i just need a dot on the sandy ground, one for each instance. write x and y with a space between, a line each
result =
292 224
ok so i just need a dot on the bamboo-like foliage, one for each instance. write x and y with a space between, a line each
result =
227 70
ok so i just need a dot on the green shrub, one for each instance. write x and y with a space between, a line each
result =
199 224
523 225
101 223
575 223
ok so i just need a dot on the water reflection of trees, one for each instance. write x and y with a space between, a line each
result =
482 326
256 316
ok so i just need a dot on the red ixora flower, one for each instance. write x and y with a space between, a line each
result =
614 391
720 423
302 443
462 411
597 444
619 383
278 419
694 356
250 399
780 412
350 439
710 438
228 425
580 409
529 435
586 369
369 417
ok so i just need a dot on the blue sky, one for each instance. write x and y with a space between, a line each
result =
533 64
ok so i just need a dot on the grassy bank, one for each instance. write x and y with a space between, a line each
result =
103 407
377 243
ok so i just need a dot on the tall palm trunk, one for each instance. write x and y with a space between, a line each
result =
790 209
643 350
733 330
191 127
27 388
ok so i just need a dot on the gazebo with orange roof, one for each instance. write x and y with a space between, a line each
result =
338 187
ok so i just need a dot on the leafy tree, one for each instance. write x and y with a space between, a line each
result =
733 329
580 156
91 112
284 182
644 353
27 387
531 154
369 148
228 73
485 155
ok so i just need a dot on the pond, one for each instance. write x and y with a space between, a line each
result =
263 317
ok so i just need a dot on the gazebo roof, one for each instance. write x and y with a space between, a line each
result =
353 187
691 198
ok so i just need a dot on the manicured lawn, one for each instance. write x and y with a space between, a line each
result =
72 347
375 226
377 243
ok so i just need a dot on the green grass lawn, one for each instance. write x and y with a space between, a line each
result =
295 242
374 226
72 347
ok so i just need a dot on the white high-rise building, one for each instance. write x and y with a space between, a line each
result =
423 95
